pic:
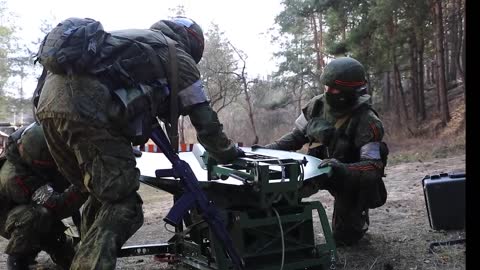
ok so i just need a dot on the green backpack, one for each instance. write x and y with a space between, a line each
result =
81 46
71 46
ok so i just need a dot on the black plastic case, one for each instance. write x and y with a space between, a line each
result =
445 200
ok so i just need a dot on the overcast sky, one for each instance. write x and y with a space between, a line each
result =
244 22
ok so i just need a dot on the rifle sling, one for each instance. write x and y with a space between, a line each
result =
173 82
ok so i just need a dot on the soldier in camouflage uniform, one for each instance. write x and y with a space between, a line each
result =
34 198
342 129
85 131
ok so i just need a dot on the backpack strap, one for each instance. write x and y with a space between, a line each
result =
38 90
340 121
173 82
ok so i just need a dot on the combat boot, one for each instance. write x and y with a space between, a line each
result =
62 250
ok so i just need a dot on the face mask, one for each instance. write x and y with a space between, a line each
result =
340 101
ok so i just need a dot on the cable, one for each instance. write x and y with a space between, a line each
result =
283 240
165 226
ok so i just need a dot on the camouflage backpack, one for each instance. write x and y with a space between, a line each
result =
71 46
126 61
81 46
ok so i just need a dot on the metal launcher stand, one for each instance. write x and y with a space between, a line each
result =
258 201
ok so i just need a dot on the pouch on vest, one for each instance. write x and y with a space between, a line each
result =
376 195
71 47
139 107
319 130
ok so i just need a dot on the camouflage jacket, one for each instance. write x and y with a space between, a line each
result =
88 99
21 183
343 138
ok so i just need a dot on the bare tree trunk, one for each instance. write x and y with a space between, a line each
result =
421 80
414 76
320 39
441 83
433 70
437 91
399 99
243 78
317 50
454 39
344 28
459 57
396 97
446 50
386 91
398 79
299 100
250 111
445 40
427 72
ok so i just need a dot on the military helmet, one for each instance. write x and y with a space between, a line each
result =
197 40
344 73
185 31
33 147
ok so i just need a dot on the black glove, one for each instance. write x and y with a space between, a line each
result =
136 152
339 169
240 152
256 146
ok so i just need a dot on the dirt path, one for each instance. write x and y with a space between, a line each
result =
398 237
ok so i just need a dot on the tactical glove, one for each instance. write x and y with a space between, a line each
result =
339 169
240 152
62 204
256 146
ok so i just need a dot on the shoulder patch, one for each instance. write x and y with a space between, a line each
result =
369 129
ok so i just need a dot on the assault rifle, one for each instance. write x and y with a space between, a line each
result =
192 197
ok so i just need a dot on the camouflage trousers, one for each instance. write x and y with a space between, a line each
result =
350 219
102 162
29 228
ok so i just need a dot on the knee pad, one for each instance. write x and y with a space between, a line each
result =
33 218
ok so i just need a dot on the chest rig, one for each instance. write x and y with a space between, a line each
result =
332 137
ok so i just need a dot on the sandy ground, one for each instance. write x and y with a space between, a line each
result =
398 237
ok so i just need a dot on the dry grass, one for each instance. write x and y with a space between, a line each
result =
430 139
421 149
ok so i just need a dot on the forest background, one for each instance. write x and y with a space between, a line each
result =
414 52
